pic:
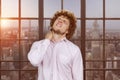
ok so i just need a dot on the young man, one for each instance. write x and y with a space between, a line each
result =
55 56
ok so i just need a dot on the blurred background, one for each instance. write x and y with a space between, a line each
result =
98 35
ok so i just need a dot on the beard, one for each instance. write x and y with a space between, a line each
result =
58 32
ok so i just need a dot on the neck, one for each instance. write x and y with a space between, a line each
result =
57 37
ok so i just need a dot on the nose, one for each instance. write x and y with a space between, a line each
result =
60 21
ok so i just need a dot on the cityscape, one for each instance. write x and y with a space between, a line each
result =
94 51
15 46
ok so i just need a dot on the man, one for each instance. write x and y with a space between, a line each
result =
55 56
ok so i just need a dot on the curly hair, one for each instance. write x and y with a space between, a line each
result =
70 16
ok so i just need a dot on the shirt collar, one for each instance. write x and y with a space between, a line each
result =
63 39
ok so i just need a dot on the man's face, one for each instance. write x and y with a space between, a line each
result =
61 25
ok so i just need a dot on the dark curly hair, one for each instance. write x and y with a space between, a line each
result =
70 16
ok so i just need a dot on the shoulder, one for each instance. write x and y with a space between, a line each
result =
74 49
72 45
38 42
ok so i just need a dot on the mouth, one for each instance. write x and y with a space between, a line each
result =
59 25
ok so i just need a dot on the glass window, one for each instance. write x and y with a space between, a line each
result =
112 75
9 50
74 6
28 75
29 8
101 36
112 50
27 66
94 29
30 29
112 8
46 27
94 8
94 50
9 65
9 75
94 75
9 8
94 65
16 37
9 29
77 33
112 29
50 7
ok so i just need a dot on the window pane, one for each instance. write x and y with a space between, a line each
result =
112 75
94 75
29 75
94 65
77 33
112 30
94 29
46 27
94 50
29 8
9 65
9 29
9 75
76 36
30 29
9 8
9 50
27 66
112 50
25 48
112 8
94 8
74 6
51 6
111 64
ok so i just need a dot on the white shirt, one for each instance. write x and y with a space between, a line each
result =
56 60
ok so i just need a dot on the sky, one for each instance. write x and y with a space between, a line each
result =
94 9
29 8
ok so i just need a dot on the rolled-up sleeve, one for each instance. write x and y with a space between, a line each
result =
37 51
77 68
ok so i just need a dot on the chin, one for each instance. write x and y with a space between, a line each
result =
58 32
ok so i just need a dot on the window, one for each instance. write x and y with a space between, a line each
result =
102 40
98 35
18 29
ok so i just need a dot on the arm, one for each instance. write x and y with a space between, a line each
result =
37 51
77 68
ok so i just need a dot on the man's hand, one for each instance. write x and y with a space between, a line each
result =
49 35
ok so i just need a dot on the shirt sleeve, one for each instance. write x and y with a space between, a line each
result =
77 68
37 51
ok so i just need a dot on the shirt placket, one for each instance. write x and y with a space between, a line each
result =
54 63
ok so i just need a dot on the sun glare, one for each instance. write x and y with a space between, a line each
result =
5 23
